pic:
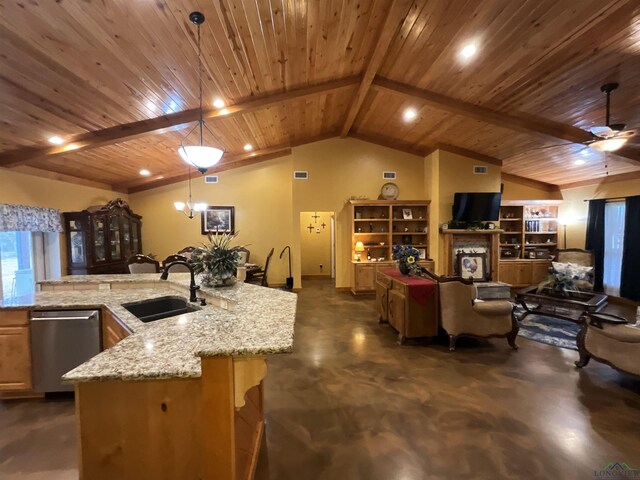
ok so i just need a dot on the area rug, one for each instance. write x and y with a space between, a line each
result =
549 330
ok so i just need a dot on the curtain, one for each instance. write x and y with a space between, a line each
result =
595 239
630 281
29 219
613 245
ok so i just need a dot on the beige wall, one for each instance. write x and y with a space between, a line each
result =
261 195
574 209
341 168
21 189
517 191
315 244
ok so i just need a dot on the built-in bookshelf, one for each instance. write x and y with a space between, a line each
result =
530 230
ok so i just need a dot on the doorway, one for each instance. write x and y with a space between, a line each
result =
317 244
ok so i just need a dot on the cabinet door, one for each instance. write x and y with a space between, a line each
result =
15 359
396 311
112 330
364 278
539 270
382 298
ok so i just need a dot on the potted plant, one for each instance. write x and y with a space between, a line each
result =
407 257
216 262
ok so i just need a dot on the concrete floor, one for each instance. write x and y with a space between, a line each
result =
350 403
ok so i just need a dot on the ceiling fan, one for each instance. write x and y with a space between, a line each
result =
607 138
611 136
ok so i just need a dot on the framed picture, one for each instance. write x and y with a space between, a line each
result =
218 220
406 214
423 253
473 265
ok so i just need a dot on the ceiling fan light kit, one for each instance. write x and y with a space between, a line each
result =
612 136
199 156
608 144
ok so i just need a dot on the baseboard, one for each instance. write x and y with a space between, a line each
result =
315 276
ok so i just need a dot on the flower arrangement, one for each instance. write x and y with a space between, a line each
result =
407 257
216 261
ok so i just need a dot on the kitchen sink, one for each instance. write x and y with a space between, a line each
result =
162 307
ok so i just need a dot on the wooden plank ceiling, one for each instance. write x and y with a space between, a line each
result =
118 81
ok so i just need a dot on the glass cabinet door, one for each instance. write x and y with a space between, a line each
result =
114 236
76 241
135 242
99 248
126 237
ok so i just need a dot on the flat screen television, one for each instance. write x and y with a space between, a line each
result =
476 207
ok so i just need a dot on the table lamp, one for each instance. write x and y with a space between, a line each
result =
359 249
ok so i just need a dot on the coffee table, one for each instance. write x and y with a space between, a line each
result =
571 307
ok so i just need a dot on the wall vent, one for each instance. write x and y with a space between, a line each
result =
389 175
211 179
301 175
480 170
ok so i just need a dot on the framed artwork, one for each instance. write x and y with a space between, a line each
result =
218 220
406 214
473 265
423 253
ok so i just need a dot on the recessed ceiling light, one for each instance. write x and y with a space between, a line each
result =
218 103
248 147
579 162
409 114
468 51
56 140
144 172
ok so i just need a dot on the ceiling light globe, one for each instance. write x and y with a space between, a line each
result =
200 157
608 144
199 207
179 205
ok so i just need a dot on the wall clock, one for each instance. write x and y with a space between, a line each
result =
389 191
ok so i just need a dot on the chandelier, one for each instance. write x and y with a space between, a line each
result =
199 156
189 208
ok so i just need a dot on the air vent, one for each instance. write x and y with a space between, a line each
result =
211 179
480 170
300 175
389 175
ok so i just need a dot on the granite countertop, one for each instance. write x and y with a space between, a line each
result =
260 322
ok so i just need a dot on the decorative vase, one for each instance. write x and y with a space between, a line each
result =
403 267
212 280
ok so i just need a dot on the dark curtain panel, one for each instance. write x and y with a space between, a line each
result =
630 281
595 239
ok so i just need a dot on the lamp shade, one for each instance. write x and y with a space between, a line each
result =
359 247
608 144
201 157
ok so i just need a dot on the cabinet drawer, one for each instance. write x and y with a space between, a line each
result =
383 279
398 287
11 318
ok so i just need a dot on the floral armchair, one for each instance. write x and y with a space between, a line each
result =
572 270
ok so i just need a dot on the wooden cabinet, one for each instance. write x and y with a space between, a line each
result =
364 274
522 273
112 330
100 239
378 225
409 317
15 351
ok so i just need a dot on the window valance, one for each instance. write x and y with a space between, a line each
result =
29 219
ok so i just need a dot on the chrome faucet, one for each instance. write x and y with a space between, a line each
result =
193 288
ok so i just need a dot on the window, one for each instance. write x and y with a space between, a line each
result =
613 244
26 258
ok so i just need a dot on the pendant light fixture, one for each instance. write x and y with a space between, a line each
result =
199 156
190 208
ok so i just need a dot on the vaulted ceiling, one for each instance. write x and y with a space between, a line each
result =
118 81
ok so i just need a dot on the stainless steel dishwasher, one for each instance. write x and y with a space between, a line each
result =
60 341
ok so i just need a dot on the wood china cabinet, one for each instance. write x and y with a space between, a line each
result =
100 239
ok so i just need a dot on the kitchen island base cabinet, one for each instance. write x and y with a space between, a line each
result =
207 428
15 353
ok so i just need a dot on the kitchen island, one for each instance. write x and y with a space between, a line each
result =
179 397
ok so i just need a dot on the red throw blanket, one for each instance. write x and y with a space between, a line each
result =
421 289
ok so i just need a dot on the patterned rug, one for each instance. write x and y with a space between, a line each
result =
549 330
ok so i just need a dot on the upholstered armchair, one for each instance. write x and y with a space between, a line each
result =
465 316
576 256
572 270
609 339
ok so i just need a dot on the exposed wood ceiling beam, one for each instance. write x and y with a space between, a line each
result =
529 182
236 162
63 177
469 153
128 131
520 123
602 180
397 13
